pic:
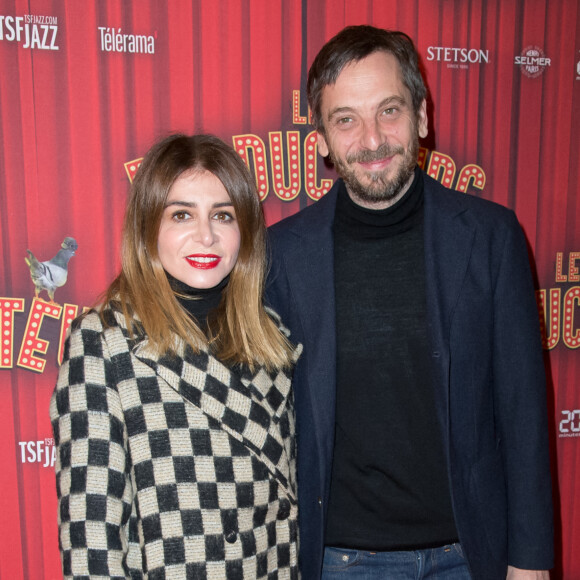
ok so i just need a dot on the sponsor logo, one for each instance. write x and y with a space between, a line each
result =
578 70
570 424
30 31
115 40
43 452
457 57
532 61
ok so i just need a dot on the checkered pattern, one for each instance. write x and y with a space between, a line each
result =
171 467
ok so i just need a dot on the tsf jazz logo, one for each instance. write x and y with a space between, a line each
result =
30 30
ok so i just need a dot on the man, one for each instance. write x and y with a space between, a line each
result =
420 396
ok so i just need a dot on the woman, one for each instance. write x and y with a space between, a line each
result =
173 413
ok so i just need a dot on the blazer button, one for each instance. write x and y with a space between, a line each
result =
284 509
320 501
231 537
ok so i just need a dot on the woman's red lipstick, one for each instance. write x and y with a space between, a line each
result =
203 261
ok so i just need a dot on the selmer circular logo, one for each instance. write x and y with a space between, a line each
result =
532 61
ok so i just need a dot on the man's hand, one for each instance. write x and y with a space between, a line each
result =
519 574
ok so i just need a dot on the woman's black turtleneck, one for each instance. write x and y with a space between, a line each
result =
389 487
198 302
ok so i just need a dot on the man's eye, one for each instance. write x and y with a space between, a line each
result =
344 120
390 111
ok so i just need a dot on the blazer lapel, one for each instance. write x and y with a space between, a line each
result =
311 279
250 407
449 237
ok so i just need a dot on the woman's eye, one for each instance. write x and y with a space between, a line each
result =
180 216
223 216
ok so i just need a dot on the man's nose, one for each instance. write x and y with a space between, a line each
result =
372 137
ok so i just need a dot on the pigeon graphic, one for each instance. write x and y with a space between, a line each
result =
52 274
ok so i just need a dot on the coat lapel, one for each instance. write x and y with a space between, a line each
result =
449 236
311 280
251 407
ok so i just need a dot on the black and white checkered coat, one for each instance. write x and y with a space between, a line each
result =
171 467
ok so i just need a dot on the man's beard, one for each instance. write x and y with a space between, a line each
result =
380 189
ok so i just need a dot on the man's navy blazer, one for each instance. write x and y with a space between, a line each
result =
489 374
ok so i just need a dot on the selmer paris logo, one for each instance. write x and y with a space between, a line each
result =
533 61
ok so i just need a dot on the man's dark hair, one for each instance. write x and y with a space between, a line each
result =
353 44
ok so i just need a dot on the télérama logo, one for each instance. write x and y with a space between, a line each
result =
532 61
116 40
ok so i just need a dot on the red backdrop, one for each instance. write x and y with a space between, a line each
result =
87 87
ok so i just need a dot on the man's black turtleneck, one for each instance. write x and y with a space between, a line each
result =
389 486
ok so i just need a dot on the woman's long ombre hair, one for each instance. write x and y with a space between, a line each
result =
241 332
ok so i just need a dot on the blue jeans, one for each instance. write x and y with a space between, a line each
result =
445 563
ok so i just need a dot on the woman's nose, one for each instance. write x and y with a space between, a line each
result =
205 233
